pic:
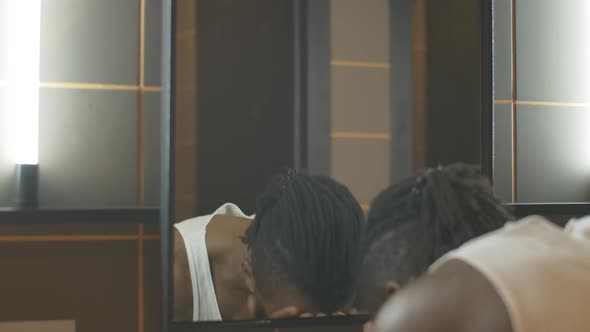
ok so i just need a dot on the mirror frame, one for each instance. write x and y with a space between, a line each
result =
487 125
166 159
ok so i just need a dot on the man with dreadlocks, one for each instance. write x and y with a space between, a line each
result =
298 255
414 222
528 276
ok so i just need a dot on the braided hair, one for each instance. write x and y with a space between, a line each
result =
307 234
413 223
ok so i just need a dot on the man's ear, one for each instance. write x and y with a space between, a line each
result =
248 311
251 306
248 276
391 287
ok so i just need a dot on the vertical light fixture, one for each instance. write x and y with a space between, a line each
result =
22 19
586 39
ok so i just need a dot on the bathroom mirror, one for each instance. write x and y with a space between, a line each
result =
339 86
287 68
250 97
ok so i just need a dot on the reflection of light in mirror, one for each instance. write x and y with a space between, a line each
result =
22 19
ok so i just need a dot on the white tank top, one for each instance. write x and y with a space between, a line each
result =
541 272
193 231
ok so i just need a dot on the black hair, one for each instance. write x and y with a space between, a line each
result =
413 223
307 233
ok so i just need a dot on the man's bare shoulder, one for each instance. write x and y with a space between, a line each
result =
455 298
224 234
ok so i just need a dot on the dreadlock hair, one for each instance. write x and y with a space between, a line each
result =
307 234
413 223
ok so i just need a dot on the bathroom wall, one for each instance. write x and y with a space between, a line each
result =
99 100
542 94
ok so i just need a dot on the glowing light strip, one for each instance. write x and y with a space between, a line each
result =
22 21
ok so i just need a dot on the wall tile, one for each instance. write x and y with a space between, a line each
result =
152 286
2 40
7 170
151 148
503 152
360 30
90 41
362 165
93 283
153 41
553 155
360 99
152 229
87 148
502 49
552 59
7 183
46 326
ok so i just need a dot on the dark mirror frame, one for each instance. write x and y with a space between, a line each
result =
166 159
487 125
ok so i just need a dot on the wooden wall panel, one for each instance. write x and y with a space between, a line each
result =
93 283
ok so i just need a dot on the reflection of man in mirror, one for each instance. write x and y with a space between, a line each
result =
414 222
299 254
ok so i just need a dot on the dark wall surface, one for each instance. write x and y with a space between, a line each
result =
245 110
453 81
